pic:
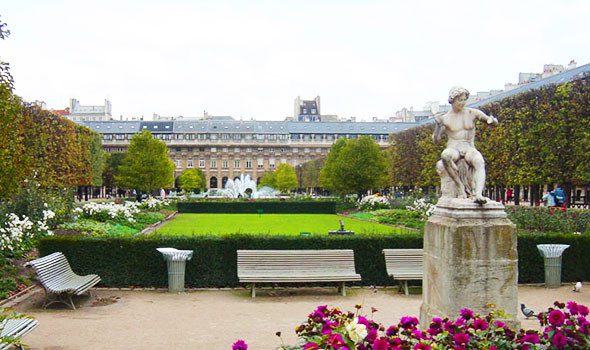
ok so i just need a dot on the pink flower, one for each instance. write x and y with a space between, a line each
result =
392 330
239 345
467 314
583 310
409 322
480 324
556 318
311 346
381 344
336 341
461 338
573 308
422 346
559 340
531 338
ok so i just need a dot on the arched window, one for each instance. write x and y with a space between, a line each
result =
223 181
213 182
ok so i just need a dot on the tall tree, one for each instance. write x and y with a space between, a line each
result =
285 177
192 179
310 173
111 169
269 179
358 166
146 166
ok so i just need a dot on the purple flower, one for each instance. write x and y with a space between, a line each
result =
381 344
573 308
556 318
311 346
417 334
480 324
409 322
531 338
391 331
239 345
467 314
422 346
499 324
363 320
583 310
336 341
559 340
372 335
461 338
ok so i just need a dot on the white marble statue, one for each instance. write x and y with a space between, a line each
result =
461 168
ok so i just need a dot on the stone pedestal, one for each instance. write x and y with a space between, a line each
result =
470 261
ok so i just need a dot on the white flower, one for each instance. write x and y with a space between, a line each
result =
356 331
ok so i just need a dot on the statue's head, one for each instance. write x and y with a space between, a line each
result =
457 91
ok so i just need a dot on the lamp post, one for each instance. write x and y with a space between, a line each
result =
299 174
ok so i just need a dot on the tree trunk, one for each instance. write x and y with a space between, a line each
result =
516 195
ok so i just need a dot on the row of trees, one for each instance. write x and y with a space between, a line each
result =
543 137
36 143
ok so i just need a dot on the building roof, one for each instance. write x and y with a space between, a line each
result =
252 126
557 79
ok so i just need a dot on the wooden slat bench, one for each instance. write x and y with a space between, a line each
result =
56 277
404 265
16 327
294 266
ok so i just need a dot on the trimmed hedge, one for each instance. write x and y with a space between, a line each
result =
123 262
267 207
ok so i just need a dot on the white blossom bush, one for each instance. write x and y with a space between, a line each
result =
17 235
153 204
373 202
109 211
422 207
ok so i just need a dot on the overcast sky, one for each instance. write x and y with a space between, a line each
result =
251 59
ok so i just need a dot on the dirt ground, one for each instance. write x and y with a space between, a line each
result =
214 319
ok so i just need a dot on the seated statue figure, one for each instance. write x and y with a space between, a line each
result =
462 167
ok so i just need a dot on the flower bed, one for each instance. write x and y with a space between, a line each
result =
564 326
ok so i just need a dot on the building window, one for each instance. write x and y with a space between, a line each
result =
295 150
237 149
213 164
260 163
178 149
271 163
224 164
271 149
224 150
306 150
178 163
248 149
318 150
189 163
201 163
237 163
248 164
213 149
201 149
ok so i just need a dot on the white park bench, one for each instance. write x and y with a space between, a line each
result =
56 277
296 266
404 265
16 327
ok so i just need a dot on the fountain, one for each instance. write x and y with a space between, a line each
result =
245 187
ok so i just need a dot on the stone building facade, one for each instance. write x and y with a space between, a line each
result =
225 149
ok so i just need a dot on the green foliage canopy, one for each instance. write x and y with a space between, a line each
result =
192 179
355 166
146 166
285 178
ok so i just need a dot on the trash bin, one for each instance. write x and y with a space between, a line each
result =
552 253
176 261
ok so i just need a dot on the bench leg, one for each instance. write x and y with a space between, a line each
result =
343 289
253 290
406 288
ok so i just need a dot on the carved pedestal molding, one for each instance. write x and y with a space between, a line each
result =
470 261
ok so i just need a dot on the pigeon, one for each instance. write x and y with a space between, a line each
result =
578 286
526 311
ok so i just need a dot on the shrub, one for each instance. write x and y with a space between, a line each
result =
373 202
400 217
543 219
109 212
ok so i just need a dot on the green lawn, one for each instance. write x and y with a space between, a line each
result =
190 224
